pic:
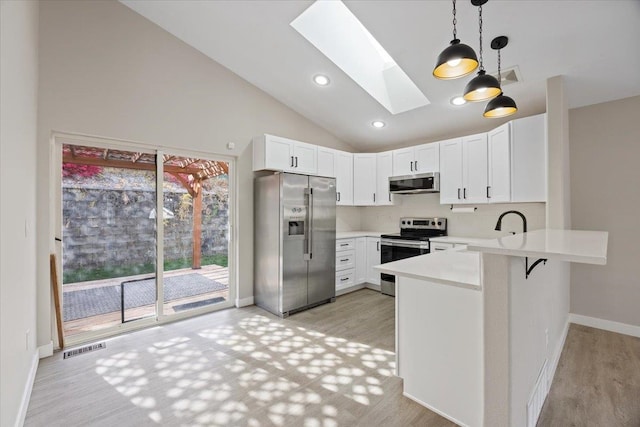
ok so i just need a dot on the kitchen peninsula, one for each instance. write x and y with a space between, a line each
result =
478 341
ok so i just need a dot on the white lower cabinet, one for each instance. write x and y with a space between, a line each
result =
355 259
373 258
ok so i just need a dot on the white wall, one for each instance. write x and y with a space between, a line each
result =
107 71
18 129
605 150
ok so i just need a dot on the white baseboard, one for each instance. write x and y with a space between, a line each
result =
442 414
372 286
45 350
26 395
244 302
350 289
607 325
557 353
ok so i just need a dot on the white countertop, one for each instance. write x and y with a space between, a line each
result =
589 247
353 234
457 239
454 267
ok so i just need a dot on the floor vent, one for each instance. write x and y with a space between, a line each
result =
534 407
85 349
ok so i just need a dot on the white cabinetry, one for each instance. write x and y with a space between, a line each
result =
283 154
419 159
339 165
499 164
361 259
463 170
364 179
373 258
529 159
384 169
355 259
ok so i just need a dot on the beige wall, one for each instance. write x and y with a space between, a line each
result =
605 195
107 71
18 130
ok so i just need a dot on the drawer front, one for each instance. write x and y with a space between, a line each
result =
345 245
345 260
441 246
345 279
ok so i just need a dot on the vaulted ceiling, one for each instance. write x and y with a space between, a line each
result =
592 43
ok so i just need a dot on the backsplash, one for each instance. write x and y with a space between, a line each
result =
480 223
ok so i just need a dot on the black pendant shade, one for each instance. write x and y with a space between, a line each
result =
500 106
482 87
457 60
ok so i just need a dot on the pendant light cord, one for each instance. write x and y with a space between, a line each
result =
480 32
455 21
499 74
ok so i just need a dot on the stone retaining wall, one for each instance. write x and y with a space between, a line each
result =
103 228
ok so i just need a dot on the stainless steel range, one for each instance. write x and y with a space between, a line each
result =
413 240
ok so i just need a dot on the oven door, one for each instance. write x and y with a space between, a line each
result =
395 250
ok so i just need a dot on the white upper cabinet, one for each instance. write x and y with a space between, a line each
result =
419 159
529 159
283 154
499 164
344 178
463 170
451 171
339 165
384 169
474 168
327 161
364 179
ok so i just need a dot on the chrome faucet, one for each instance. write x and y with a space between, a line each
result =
524 220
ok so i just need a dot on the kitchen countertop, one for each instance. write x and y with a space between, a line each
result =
354 234
458 267
458 239
589 247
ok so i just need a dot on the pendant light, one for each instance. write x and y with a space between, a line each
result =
502 105
457 60
483 86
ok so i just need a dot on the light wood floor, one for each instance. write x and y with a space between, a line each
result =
597 382
330 366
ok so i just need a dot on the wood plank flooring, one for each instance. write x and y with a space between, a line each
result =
597 382
329 366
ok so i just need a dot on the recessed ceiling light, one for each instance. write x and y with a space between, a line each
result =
378 124
458 100
321 79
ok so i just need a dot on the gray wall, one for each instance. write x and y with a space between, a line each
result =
107 71
18 126
605 195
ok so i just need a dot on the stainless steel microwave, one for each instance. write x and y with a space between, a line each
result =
413 184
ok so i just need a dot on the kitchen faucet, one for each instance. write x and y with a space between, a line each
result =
524 221
527 269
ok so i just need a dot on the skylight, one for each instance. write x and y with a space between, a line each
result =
340 36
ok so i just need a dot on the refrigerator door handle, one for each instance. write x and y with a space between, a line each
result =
308 255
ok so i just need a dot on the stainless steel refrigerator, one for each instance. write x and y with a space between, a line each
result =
294 242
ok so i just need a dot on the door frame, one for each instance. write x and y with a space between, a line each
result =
57 140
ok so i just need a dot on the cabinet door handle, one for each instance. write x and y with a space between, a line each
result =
415 164
378 246
374 197
411 165
389 196
345 259
338 196
458 194
296 161
464 193
291 161
344 244
344 279
488 196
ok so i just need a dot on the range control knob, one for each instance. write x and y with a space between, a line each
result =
439 222
403 222
433 223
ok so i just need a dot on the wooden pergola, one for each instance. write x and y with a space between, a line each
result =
190 172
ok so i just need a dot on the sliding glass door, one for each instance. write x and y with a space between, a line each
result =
122 211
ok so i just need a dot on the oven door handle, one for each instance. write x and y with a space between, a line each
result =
404 244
